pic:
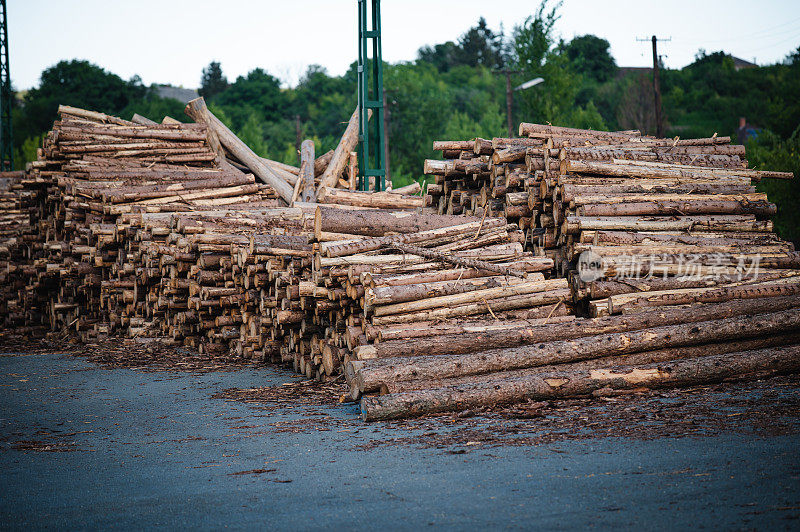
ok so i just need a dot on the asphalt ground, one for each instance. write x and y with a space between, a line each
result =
85 446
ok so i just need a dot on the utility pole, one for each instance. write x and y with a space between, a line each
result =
6 139
370 95
509 99
386 117
657 84
298 140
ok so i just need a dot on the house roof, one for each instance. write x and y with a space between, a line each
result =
741 63
178 93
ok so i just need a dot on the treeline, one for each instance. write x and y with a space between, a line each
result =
455 90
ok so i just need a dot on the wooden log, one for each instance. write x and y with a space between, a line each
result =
143 120
486 306
631 359
92 115
338 161
378 223
528 130
556 385
460 145
336 249
197 108
380 200
373 373
459 261
740 223
413 188
321 163
471 296
629 169
307 170
604 289
468 343
681 207
682 296
385 295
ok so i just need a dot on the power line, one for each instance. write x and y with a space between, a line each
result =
758 33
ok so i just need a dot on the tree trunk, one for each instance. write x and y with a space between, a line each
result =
558 385
374 373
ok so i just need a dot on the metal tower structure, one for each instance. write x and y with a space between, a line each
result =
370 96
6 139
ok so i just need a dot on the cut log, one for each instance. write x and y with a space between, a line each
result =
557 385
373 373
197 108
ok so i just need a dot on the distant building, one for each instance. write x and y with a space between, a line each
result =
177 93
623 71
739 64
746 131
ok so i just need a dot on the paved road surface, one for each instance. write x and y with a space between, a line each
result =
87 447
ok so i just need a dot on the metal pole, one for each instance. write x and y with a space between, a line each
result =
509 104
6 137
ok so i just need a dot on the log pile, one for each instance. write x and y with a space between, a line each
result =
635 205
467 297
95 175
385 278
667 247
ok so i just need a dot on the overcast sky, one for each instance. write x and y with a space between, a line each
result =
170 41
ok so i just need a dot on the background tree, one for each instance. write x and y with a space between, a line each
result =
213 81
590 57
76 83
538 54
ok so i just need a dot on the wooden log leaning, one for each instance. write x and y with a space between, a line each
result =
309 193
338 161
197 108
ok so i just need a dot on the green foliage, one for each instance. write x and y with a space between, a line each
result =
213 81
710 95
258 93
477 46
155 108
79 84
538 55
589 56
769 152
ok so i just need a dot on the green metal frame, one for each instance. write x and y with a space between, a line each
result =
371 163
6 138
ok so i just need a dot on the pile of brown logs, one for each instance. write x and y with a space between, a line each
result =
386 278
680 272
467 297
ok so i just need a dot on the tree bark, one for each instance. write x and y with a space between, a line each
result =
374 373
557 385
469 342
307 170
197 108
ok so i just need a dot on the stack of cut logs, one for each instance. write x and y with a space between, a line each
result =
19 240
386 278
667 243
145 230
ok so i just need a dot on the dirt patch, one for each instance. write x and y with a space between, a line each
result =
306 393
40 446
158 357
762 408
768 407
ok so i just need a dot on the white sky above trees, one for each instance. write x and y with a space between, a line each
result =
171 41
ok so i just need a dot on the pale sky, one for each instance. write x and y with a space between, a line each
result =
170 41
